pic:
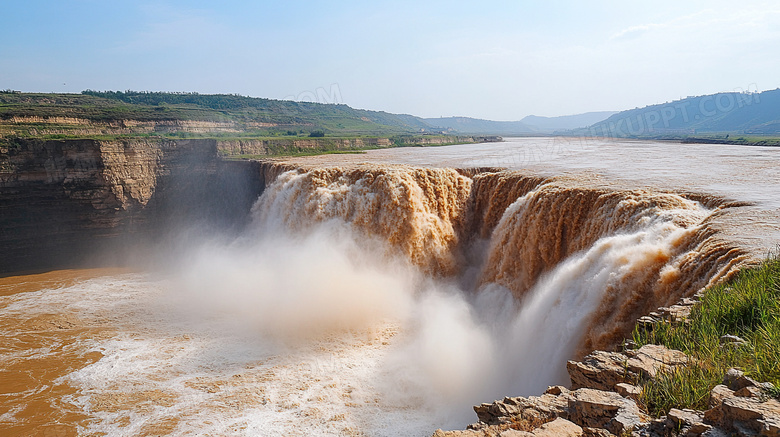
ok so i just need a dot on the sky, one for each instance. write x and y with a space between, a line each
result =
499 60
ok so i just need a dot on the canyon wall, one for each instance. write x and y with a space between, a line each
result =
64 200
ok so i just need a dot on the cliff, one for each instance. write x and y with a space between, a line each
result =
61 200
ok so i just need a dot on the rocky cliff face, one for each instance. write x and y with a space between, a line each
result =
62 199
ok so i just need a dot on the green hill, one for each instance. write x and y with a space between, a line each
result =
261 116
742 113
529 125
565 122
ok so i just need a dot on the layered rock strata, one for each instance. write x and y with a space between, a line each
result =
64 200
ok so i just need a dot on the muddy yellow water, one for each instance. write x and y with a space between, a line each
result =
35 351
55 279
109 353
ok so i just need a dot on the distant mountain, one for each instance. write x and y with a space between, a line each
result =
466 125
566 122
529 125
746 113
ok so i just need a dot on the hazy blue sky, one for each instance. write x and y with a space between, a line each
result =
489 59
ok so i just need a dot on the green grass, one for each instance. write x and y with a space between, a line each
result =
748 307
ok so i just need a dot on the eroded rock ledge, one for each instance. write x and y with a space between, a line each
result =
602 402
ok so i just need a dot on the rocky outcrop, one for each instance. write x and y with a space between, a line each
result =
599 370
650 360
675 314
750 414
740 406
63 200
747 411
604 409
580 412
556 428
611 370
532 409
